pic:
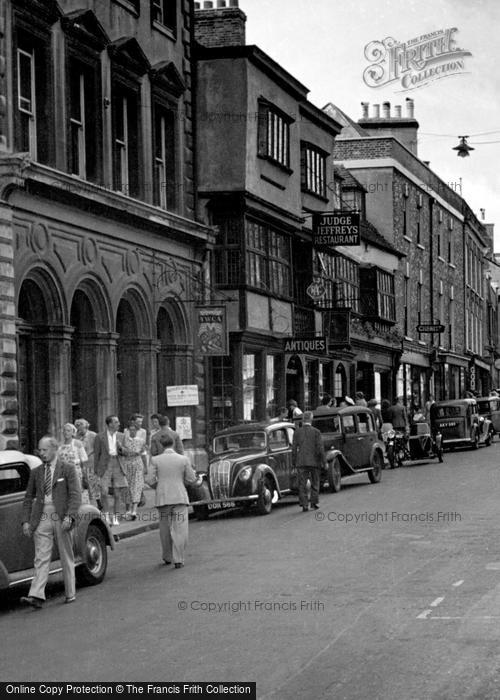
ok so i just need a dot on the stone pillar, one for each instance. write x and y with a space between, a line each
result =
8 352
58 340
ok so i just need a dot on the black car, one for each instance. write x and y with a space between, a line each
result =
250 465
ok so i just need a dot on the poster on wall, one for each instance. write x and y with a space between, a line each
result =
183 395
183 427
211 330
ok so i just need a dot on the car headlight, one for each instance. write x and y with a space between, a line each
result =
245 474
391 434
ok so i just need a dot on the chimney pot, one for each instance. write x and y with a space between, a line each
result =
386 110
397 111
221 3
376 111
410 107
233 3
208 5
364 106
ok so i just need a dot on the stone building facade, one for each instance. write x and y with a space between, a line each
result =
103 261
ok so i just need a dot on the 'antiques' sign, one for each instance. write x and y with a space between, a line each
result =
334 229
315 346
211 333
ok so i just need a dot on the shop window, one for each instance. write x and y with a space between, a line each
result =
340 383
274 365
222 392
252 394
273 134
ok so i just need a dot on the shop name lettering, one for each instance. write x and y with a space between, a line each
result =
317 346
336 229
210 318
415 62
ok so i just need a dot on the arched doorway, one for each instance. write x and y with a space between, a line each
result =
295 380
87 342
39 368
340 383
174 356
134 357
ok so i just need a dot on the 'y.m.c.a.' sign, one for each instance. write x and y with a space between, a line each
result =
211 332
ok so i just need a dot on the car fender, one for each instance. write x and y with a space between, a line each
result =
377 447
4 576
261 471
89 515
345 467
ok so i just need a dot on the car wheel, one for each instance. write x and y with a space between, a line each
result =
201 512
265 500
334 476
95 558
375 473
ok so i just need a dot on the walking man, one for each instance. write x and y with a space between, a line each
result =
308 457
50 509
168 474
165 429
110 470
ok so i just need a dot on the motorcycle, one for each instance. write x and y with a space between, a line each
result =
396 448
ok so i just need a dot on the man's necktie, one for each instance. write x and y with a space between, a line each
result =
48 480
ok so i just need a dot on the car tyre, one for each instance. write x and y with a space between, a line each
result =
95 558
334 476
201 512
265 500
375 473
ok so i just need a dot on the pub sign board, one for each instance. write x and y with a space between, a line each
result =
211 330
337 325
338 228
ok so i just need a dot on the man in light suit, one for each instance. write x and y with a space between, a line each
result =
168 473
110 470
308 457
50 509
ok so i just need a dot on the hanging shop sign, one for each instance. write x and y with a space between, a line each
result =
316 290
211 330
331 229
337 325
312 346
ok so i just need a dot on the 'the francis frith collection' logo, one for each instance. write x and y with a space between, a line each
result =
416 62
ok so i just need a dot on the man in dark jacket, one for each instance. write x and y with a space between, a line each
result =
165 429
308 457
50 509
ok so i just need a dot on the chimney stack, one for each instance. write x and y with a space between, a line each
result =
223 25
397 111
404 129
376 111
386 110
409 108
364 107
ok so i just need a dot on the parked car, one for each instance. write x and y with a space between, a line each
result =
17 552
489 407
251 464
461 425
351 443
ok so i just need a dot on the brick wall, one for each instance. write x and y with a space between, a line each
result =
223 26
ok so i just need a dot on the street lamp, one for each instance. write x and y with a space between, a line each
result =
463 147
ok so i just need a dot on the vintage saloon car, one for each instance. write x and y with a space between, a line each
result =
351 443
489 407
461 425
17 553
251 464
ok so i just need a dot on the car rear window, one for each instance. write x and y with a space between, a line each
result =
448 411
328 424
13 478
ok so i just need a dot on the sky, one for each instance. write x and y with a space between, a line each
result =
322 44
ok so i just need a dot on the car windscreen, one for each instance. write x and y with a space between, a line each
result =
450 411
484 406
239 442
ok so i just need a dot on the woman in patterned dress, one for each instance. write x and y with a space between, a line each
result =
72 452
133 459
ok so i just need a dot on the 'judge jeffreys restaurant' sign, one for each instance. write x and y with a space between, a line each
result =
332 229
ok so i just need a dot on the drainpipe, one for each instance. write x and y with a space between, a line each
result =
431 286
